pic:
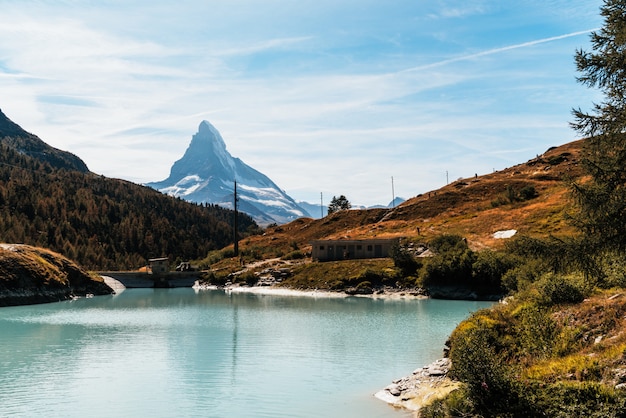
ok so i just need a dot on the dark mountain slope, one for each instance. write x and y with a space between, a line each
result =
12 135
99 222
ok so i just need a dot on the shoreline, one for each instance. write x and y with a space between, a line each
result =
421 388
285 291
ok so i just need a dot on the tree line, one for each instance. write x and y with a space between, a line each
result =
104 223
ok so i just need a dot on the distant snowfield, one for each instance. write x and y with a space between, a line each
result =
505 234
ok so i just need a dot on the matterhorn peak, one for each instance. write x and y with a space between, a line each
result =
207 172
208 132
207 143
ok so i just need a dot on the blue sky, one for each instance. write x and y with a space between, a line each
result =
333 97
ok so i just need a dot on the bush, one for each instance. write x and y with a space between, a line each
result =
528 192
446 243
491 386
248 277
489 268
520 277
576 399
499 201
534 332
614 270
451 264
214 279
372 277
403 259
555 289
456 404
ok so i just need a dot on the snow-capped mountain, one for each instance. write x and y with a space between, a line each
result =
207 172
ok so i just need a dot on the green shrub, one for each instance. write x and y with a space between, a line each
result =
338 284
456 404
227 253
522 276
253 253
511 195
555 289
451 264
247 277
491 385
534 332
528 192
489 268
614 269
498 201
446 243
214 279
376 278
579 399
404 260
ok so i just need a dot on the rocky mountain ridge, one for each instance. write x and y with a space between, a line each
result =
207 173
12 135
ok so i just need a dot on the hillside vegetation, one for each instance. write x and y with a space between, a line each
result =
36 275
531 198
102 223
48 199
457 222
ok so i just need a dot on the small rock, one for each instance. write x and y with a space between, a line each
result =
394 390
436 371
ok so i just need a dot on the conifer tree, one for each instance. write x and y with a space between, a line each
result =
601 199
338 203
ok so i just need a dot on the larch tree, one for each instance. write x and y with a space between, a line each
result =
601 196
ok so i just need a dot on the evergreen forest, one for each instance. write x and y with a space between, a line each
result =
103 223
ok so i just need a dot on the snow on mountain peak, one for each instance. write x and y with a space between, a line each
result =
206 174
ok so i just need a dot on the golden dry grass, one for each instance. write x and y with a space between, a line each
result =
474 208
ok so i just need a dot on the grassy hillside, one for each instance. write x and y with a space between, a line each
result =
474 208
531 198
35 275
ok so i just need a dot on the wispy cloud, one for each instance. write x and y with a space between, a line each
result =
321 96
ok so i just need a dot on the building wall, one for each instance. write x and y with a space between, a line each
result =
159 265
332 250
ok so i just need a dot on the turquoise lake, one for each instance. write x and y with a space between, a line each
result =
182 353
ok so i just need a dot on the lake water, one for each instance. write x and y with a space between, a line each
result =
180 353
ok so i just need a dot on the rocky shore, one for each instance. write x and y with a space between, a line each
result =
30 275
420 388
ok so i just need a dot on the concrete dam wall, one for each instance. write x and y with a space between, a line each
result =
134 279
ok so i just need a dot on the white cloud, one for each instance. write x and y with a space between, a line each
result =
335 103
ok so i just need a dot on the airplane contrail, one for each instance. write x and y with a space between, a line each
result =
497 50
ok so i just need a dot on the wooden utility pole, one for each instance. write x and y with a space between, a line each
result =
235 224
